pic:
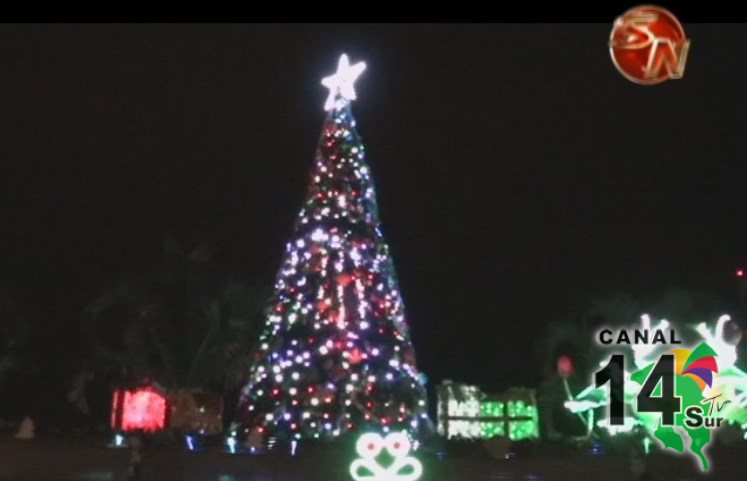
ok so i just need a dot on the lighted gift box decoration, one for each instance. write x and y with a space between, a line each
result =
139 409
465 412
196 411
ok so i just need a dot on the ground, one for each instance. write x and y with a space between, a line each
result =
91 460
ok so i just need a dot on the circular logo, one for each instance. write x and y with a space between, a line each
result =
648 45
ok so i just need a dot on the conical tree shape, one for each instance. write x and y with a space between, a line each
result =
335 354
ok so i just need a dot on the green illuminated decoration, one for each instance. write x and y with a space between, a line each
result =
465 412
492 409
491 429
368 468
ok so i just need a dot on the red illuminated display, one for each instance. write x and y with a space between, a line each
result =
565 366
141 409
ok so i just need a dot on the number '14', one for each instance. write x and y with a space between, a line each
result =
662 374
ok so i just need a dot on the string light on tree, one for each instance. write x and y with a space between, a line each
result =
335 354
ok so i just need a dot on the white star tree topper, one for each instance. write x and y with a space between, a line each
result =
340 84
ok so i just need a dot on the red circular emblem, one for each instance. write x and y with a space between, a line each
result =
648 45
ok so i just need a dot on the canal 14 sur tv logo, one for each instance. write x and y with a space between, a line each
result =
673 392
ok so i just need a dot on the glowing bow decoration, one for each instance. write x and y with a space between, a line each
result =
367 468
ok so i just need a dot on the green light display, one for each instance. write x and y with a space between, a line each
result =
492 409
491 429
466 413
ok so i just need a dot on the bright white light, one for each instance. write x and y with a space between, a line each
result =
318 235
231 443
369 446
119 441
340 84
642 352
581 406
628 424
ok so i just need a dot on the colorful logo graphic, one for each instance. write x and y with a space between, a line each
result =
699 364
648 45
676 397
678 387
370 447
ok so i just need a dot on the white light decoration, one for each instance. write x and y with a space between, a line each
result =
340 84
628 424
318 235
642 353
190 442
231 444
369 447
582 406
118 441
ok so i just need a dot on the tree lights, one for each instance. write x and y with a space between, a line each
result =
335 354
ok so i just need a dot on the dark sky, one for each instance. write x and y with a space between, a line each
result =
516 169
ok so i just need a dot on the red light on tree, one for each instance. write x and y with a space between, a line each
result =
740 273
142 409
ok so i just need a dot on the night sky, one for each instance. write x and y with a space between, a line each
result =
516 169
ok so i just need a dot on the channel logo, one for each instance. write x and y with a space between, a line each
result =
648 45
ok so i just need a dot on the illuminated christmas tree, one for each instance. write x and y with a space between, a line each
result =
335 354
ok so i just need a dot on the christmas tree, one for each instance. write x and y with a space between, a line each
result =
335 354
